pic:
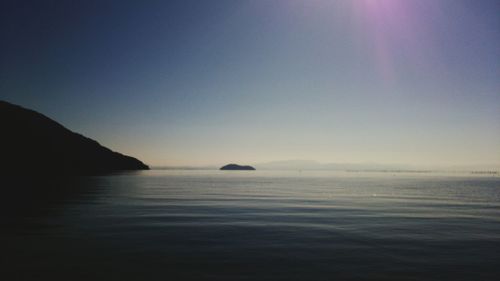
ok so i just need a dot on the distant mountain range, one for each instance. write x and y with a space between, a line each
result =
314 165
306 165
33 143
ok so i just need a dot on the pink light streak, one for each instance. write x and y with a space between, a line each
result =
393 27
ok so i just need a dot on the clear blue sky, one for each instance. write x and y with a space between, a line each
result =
209 82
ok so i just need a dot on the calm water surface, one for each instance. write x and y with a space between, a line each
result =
262 225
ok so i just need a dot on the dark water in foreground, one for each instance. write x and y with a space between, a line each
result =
211 225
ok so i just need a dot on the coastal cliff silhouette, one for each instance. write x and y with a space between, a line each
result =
33 143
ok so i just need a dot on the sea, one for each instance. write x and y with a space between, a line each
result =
251 225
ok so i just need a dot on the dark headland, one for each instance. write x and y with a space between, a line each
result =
233 167
30 142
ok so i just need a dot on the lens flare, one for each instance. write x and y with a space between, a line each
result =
393 27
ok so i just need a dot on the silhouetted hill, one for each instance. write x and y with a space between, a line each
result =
237 167
33 143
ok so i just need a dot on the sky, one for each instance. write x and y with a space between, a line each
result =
190 83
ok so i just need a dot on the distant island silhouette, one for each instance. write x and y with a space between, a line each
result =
34 143
233 167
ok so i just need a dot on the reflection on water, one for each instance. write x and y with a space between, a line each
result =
212 225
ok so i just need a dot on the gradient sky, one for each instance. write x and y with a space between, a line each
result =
211 82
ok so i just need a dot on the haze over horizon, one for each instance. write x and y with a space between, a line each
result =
194 83
312 165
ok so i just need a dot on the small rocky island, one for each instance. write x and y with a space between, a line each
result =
236 167
32 143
